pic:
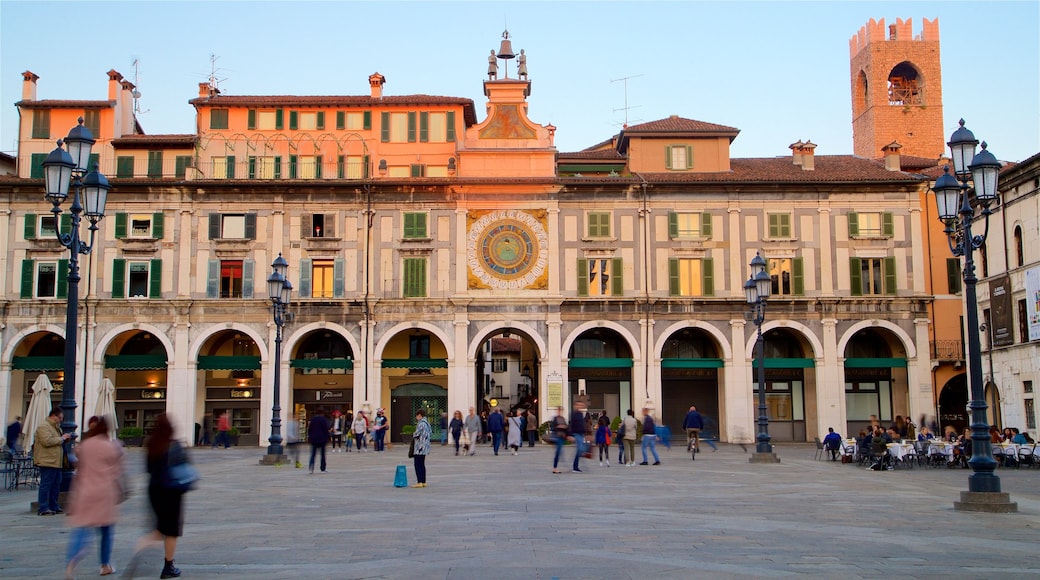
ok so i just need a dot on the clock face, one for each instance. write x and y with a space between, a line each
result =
507 249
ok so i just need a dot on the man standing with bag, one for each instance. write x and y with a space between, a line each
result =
318 435
48 451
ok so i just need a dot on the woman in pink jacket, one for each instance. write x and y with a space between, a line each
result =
96 494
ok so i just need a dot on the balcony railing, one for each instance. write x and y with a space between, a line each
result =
947 350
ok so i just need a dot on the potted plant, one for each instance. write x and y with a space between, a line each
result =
131 436
407 432
233 435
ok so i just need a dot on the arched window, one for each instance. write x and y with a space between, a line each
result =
1019 251
905 85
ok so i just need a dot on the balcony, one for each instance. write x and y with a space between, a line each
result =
947 350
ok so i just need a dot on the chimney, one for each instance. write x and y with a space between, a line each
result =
114 86
207 90
796 151
376 81
808 158
891 152
29 85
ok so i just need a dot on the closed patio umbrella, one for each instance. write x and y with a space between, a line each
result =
106 405
39 408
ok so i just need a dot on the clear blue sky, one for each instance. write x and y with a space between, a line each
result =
778 71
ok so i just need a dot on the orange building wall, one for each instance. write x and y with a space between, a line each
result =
709 155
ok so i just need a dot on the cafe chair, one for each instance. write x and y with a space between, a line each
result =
1027 455
821 451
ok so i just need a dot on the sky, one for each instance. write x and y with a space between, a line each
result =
778 71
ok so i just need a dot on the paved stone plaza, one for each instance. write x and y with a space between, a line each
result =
488 517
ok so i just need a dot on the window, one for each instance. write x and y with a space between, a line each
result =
600 277
265 167
231 279
92 121
436 170
182 163
873 276
870 224
47 227
308 121
678 157
322 276
218 119
242 419
41 127
689 225
419 347
155 164
1023 322
351 167
599 224
232 226
984 258
436 127
265 120
223 167
499 365
136 279
36 165
47 279
1019 250
1030 413
354 120
42 227
418 170
398 127
787 276
691 277
318 225
400 171
779 225
953 275
125 166
143 225
414 225
304 166
414 283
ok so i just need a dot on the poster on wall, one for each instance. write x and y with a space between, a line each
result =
1033 302
554 392
1000 311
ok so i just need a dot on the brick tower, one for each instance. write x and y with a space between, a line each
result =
897 89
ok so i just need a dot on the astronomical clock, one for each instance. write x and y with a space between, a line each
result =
507 250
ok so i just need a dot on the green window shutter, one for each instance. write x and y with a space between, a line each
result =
181 168
292 166
65 223
30 226
341 169
420 226
277 166
317 166
689 157
125 167
798 276
118 278
61 288
673 277
411 126
774 225
673 225
890 275
320 122
339 267
583 277
305 279
409 225
251 122
366 120
250 226
36 165
247 278
853 224
424 127
294 120
708 276
279 119
94 162
157 225
365 162
341 120
450 122
384 127
887 228
28 270
155 279
213 279
214 226
855 276
417 170
617 280
953 275
414 277
230 166
667 156
155 164
121 219
252 167
706 225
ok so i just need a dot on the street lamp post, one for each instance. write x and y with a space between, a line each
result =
957 203
61 170
756 291
279 290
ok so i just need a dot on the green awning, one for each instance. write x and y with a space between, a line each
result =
135 362
321 363
787 363
409 363
600 363
229 363
875 363
38 363
691 363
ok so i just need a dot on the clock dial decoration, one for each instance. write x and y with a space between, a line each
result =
506 249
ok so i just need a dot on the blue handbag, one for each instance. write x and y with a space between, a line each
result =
181 475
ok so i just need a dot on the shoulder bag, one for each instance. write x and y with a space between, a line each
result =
181 475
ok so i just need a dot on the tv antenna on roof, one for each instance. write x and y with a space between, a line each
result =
137 93
626 107
212 80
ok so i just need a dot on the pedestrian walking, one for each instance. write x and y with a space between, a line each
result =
710 432
166 502
379 425
292 439
207 430
649 437
48 456
14 432
558 433
603 440
95 497
456 426
513 435
421 447
223 431
496 424
318 435
578 431
360 428
444 428
336 429
532 428
472 426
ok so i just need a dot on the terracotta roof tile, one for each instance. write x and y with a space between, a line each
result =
137 141
65 104
469 111
604 154
828 168
676 124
